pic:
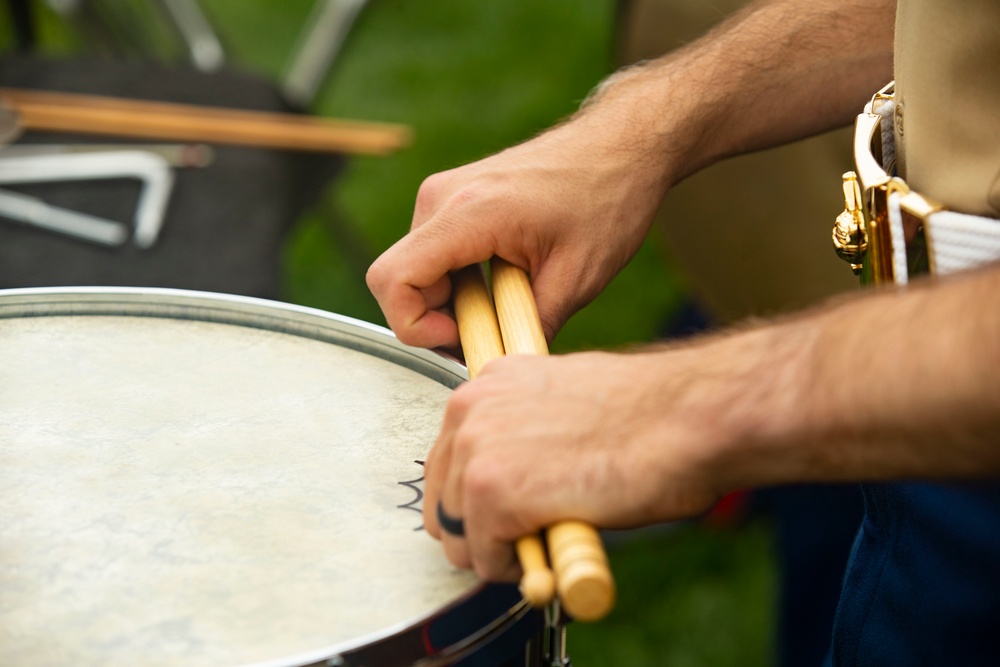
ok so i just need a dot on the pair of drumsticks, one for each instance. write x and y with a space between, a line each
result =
580 572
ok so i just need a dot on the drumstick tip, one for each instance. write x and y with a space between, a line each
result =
589 593
538 587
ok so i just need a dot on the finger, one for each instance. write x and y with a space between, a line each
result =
411 279
439 459
493 557
438 295
435 469
406 309
462 439
450 502
494 560
438 317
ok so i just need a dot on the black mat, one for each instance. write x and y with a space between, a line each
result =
225 224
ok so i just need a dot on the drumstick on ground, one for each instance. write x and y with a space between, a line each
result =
481 341
582 575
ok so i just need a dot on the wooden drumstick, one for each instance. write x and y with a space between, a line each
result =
583 576
92 114
481 341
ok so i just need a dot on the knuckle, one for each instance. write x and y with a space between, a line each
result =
466 442
377 275
480 479
496 566
406 335
457 554
463 398
483 571
429 195
470 194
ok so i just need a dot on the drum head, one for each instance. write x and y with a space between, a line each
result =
190 479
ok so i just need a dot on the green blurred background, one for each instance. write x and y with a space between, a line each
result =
472 78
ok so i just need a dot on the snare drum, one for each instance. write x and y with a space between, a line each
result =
196 479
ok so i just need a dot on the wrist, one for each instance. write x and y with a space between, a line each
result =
745 404
653 117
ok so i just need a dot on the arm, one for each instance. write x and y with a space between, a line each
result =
573 205
770 74
887 385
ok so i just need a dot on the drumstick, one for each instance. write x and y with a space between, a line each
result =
583 576
479 332
91 114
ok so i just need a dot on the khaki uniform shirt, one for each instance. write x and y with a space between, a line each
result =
948 92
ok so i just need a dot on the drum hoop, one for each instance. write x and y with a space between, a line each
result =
252 312
346 654
278 317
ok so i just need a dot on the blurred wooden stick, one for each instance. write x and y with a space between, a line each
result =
91 114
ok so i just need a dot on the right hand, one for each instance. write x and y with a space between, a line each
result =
571 207
615 440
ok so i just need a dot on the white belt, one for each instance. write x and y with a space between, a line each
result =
891 229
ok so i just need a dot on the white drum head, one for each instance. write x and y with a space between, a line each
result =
207 481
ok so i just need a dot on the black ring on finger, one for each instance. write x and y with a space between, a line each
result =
450 524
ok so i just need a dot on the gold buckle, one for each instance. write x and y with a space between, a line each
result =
861 233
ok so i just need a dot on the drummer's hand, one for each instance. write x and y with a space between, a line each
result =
571 207
609 439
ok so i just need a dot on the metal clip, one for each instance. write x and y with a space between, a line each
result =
850 238
555 637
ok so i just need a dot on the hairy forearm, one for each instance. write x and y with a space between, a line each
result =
892 385
772 73
929 391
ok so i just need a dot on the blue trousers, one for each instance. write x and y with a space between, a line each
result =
923 581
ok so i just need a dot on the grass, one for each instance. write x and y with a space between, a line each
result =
472 78
689 596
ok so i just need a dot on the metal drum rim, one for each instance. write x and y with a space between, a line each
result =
234 309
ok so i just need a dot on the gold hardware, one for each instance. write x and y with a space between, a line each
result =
850 238
886 94
896 185
861 235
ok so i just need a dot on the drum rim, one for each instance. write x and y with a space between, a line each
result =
269 315
238 310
